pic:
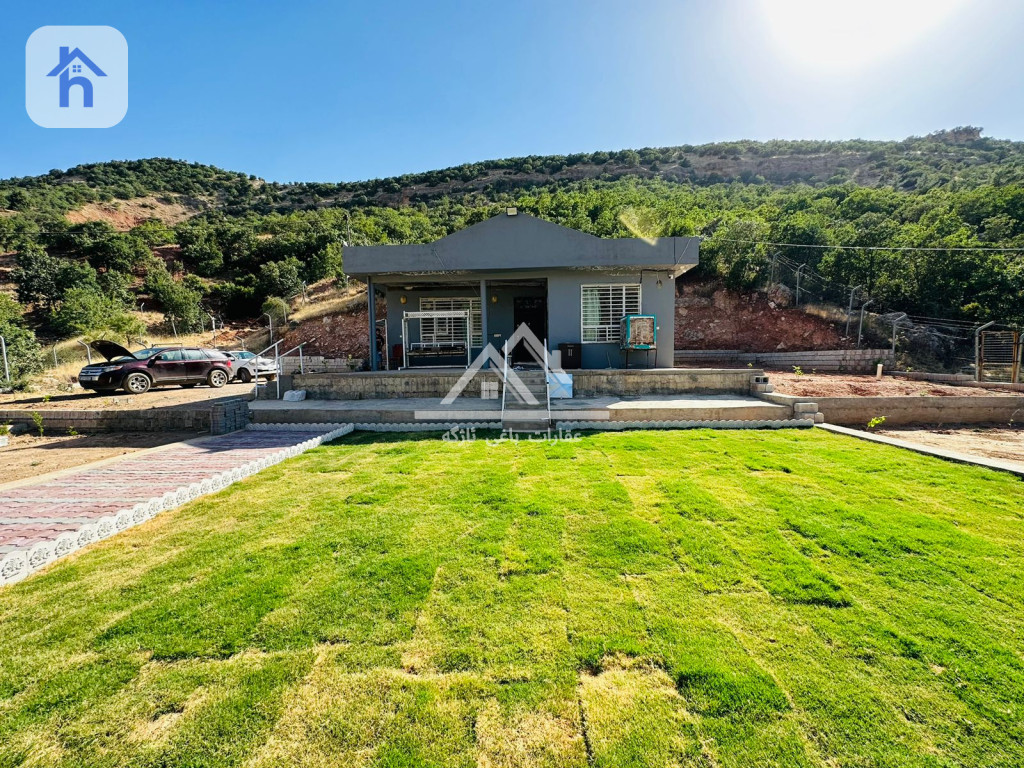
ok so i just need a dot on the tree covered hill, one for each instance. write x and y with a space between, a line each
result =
948 200
956 159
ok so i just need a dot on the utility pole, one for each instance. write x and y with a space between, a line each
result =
849 308
798 271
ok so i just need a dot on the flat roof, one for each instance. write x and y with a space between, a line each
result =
521 242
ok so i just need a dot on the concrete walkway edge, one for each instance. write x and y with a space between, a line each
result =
940 453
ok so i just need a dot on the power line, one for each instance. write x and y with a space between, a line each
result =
870 247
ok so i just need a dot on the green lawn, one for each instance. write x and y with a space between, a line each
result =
704 598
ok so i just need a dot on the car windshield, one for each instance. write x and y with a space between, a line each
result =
243 355
145 354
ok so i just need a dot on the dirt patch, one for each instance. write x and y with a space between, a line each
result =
161 397
1005 443
711 317
847 385
337 335
125 214
29 456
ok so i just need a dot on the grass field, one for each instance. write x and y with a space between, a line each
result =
790 598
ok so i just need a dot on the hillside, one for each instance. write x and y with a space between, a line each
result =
929 226
960 159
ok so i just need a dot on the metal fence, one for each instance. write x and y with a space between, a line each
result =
999 354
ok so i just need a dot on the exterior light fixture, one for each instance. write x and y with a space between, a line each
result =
659 282
494 299
511 211
403 298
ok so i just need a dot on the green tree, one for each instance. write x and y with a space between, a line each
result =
87 312
24 355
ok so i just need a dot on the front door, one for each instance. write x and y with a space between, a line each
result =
168 366
533 311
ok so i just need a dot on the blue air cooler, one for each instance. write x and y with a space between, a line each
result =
638 332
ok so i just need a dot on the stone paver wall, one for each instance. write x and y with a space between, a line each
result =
43 521
150 420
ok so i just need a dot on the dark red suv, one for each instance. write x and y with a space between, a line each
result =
136 372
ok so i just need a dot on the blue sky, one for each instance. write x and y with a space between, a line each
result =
337 91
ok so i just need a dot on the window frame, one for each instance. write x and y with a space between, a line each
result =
613 330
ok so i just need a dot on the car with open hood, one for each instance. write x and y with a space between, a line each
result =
136 372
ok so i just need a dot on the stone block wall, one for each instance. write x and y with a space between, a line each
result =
586 383
229 417
58 422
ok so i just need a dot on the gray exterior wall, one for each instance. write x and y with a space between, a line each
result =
563 293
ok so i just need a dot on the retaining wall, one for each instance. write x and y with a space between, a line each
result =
586 383
88 422
848 360
858 411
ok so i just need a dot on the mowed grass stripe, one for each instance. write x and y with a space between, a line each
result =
691 598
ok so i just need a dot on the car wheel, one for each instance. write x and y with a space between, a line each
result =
190 385
244 376
217 378
137 383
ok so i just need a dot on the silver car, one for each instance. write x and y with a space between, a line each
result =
248 366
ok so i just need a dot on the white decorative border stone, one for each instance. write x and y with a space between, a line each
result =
616 426
426 426
16 565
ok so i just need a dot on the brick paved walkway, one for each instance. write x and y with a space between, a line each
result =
43 521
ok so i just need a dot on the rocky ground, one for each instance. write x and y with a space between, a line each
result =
711 317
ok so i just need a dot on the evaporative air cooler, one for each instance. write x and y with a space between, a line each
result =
638 332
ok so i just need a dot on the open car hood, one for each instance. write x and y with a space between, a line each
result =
109 349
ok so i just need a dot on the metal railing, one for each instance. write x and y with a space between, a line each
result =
504 379
547 380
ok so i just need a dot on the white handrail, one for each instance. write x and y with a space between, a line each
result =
547 380
504 381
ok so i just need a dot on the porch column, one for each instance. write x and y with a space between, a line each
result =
483 317
371 301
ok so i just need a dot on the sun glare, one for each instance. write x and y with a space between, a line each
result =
845 35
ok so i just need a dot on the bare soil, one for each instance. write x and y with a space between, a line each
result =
848 385
711 317
125 214
29 456
161 397
1005 443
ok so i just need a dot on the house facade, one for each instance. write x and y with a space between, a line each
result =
446 300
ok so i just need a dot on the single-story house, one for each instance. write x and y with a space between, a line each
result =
479 284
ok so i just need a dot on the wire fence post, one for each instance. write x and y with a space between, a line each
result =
978 362
798 271
895 321
55 363
860 328
849 308
7 368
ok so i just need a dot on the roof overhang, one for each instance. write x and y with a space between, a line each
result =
521 243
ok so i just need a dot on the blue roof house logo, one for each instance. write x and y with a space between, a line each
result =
72 62
76 77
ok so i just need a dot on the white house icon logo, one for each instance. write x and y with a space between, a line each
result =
76 77
66 67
